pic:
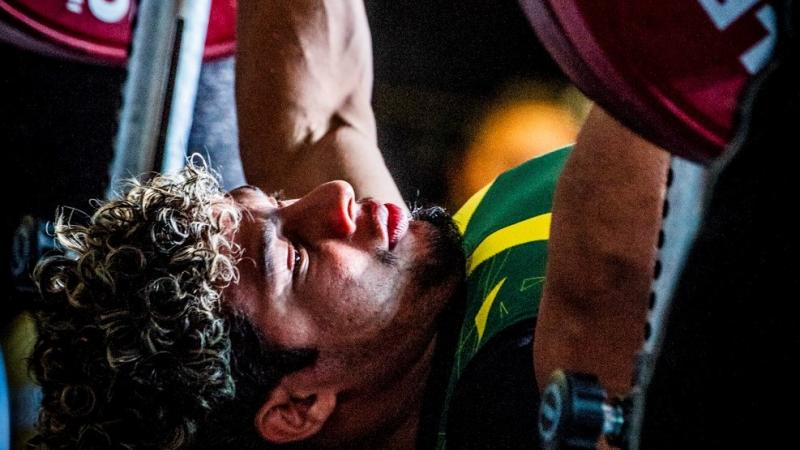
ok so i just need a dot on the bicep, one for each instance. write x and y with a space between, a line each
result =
304 80
346 154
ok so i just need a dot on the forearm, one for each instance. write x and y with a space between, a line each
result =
304 73
606 218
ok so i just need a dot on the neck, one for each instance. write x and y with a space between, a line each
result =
404 437
389 416
404 396
404 434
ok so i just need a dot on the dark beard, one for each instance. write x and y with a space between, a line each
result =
447 260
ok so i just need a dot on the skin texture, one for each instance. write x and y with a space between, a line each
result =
304 79
601 254
315 274
320 247
304 86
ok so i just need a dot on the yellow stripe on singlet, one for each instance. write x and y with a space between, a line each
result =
486 306
463 216
533 229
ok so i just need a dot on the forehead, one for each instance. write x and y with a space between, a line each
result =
251 236
256 208
251 197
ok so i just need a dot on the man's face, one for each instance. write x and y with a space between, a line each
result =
348 278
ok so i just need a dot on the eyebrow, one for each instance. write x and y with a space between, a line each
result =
268 232
246 186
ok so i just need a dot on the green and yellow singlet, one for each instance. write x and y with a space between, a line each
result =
505 227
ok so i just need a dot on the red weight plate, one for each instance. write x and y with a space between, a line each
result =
221 37
672 71
100 30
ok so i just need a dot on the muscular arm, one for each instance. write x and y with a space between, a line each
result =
606 217
303 88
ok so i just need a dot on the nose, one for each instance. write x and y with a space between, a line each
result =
327 212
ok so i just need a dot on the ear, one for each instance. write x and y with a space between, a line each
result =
290 416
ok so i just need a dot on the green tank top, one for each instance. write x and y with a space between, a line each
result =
505 227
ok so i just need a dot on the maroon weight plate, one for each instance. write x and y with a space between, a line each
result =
99 30
672 71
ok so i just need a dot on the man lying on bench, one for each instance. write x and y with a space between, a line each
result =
183 316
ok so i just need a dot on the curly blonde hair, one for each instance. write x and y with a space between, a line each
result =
134 348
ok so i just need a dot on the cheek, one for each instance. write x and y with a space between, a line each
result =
346 263
290 328
281 322
243 295
339 274
359 300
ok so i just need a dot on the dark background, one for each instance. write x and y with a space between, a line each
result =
438 65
